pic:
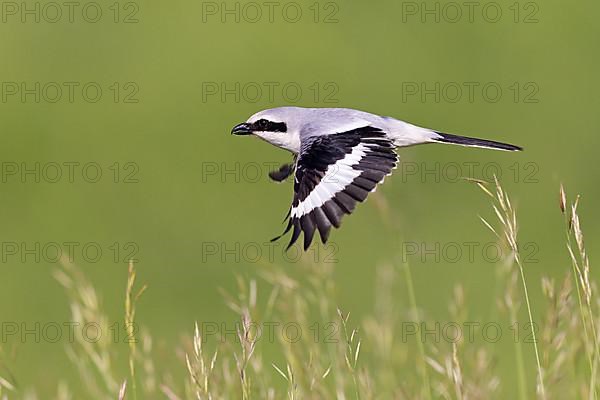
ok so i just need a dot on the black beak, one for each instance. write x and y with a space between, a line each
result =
241 129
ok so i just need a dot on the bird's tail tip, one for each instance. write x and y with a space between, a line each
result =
474 142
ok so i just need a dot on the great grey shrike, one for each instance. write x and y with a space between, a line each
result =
340 155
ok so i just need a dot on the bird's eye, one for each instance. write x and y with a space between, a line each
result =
262 123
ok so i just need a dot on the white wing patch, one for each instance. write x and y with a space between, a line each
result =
336 178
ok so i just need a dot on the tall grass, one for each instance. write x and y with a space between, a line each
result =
336 356
507 217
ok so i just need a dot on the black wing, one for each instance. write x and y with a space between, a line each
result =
282 173
333 173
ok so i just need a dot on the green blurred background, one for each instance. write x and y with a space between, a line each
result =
170 130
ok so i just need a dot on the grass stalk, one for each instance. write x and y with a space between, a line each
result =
413 305
324 363
531 324
581 274
508 219
520 364
352 351
130 309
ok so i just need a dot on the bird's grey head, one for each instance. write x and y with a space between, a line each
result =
278 126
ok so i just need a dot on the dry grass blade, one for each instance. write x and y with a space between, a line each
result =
489 226
289 378
248 345
6 384
420 346
168 393
352 344
123 390
507 217
280 372
93 359
332 358
199 369
457 377
581 274
131 299
481 184
562 199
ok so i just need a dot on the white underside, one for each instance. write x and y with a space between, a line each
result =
289 141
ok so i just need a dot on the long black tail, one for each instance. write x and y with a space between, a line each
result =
473 142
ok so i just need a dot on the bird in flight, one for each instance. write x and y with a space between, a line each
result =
340 156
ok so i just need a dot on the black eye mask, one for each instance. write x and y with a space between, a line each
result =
269 126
